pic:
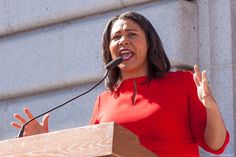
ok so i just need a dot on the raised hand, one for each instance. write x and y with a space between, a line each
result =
203 89
33 127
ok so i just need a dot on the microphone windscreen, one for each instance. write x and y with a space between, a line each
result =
111 65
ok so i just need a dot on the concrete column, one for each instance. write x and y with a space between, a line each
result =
215 54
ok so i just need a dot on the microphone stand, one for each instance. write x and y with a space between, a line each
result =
109 67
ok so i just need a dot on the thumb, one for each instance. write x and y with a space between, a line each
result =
45 122
196 80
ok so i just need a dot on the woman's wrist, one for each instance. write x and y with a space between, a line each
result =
209 102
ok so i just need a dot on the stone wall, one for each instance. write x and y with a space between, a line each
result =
50 52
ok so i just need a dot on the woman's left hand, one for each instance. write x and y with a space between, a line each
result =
203 89
215 132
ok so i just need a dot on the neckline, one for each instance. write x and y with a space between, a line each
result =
129 83
139 79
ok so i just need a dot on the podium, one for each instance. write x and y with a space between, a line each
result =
102 140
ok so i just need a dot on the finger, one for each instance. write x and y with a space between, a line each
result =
204 76
45 121
19 118
28 113
15 125
197 72
205 82
196 79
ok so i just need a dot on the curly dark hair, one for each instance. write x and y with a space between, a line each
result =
158 62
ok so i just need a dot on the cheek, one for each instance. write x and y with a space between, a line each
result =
142 44
145 46
144 57
144 50
112 49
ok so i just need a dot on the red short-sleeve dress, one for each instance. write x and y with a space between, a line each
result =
165 113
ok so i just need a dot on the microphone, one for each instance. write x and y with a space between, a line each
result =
111 65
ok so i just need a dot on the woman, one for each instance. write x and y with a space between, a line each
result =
171 112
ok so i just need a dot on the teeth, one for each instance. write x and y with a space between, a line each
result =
125 52
126 55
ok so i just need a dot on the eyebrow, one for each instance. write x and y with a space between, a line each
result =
131 29
127 30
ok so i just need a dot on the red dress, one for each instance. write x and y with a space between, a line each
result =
165 113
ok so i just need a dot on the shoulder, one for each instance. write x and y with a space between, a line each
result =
179 79
178 75
104 94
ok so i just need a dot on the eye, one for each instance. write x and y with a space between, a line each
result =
116 37
132 35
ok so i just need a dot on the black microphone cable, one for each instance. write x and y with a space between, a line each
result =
109 67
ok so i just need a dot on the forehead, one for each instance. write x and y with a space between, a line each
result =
124 24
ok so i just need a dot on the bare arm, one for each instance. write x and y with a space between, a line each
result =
215 131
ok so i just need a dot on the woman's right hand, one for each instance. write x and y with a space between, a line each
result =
33 127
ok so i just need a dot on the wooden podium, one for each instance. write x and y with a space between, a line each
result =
102 140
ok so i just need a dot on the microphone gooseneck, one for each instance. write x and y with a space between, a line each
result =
109 67
112 64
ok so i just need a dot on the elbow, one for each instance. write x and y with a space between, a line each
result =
215 142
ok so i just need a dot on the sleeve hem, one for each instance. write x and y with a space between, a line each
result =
219 151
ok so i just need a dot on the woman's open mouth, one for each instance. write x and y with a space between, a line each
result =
126 54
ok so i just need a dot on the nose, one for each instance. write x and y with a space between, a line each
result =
124 40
